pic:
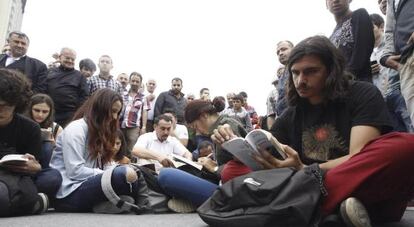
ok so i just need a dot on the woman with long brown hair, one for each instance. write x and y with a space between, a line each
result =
82 152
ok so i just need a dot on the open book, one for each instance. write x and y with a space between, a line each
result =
13 158
244 149
180 161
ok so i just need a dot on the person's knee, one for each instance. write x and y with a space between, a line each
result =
402 147
55 177
49 181
131 175
124 172
166 176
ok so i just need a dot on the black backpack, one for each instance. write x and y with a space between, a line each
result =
18 194
277 197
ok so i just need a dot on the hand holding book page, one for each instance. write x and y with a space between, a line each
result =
256 140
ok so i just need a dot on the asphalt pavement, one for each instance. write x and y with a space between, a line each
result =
151 220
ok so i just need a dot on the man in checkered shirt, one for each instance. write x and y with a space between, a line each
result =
104 79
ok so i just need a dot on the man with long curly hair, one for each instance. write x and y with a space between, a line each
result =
344 126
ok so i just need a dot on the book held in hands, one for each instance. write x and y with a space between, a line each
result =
13 158
180 161
245 148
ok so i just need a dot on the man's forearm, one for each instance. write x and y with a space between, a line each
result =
147 154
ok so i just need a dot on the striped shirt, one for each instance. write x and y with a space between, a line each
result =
133 107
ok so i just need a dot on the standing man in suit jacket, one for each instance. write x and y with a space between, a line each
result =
17 59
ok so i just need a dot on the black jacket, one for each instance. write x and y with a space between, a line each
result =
34 69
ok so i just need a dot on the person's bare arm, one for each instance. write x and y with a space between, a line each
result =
360 136
144 121
188 155
184 142
144 153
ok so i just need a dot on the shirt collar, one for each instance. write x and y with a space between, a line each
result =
15 59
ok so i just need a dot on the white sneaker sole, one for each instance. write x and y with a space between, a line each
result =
181 206
45 201
354 213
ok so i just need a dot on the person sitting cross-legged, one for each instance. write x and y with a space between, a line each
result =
157 147
20 135
345 127
84 150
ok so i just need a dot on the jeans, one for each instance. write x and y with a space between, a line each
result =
177 183
90 192
48 181
398 111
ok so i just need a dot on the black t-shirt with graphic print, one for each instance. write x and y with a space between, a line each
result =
322 132
355 38
20 136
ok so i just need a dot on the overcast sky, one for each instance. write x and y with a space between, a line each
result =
224 45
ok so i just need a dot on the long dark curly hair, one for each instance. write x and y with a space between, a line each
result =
336 84
15 89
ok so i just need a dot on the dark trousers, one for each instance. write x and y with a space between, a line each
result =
90 192
150 125
48 181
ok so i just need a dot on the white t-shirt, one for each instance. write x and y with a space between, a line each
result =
150 141
181 131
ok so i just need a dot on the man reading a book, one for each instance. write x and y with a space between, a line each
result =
344 125
156 147
19 135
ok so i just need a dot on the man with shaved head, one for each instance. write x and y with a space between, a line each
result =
66 86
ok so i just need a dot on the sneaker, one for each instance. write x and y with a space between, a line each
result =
41 205
109 208
180 205
354 213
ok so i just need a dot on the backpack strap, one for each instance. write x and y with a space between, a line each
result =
113 197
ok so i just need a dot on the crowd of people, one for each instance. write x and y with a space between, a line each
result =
345 102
